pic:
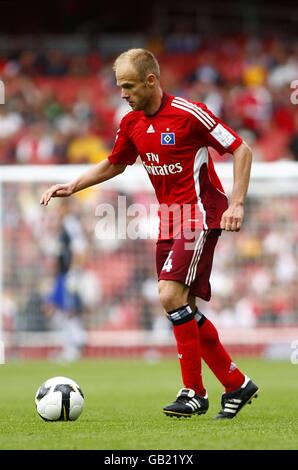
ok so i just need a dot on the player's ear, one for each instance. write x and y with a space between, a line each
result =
150 80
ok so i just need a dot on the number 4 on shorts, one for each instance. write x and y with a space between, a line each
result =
168 264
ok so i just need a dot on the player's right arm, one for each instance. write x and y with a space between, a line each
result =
124 153
104 171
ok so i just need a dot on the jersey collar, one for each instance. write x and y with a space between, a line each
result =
164 100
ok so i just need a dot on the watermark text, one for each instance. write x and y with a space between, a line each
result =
2 352
2 92
294 94
294 355
140 221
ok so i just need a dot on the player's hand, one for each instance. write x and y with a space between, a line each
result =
232 218
58 190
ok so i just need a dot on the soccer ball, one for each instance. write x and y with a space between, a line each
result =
59 399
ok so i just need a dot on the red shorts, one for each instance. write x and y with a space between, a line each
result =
188 261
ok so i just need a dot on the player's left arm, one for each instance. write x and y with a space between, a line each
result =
232 218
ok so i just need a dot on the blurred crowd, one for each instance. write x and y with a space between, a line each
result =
62 263
63 107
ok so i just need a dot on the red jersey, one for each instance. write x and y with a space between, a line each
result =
173 145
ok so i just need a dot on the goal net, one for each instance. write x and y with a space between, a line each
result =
82 270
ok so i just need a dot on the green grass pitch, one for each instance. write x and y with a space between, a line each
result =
124 399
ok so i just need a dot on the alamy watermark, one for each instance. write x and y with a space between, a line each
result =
294 94
2 352
139 221
2 92
294 355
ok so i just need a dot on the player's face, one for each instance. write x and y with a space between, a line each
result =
134 90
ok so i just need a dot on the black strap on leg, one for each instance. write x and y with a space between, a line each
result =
181 315
199 317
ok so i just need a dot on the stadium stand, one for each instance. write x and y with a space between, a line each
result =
62 106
